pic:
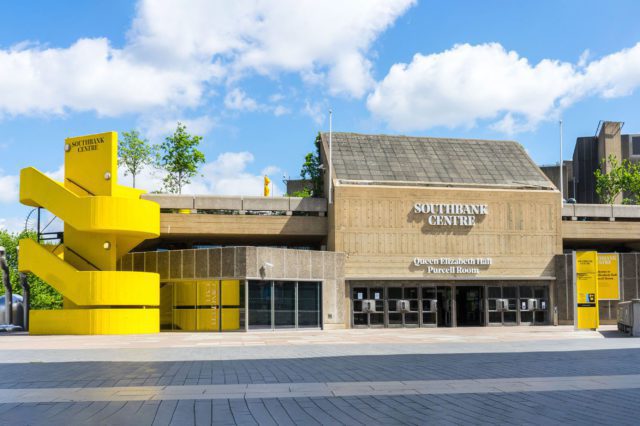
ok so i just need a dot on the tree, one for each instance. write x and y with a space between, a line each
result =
622 178
180 159
134 153
311 170
43 296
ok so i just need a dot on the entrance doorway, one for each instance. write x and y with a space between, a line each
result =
469 306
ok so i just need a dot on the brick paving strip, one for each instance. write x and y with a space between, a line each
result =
333 389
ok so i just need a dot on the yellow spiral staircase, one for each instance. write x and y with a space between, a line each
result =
102 222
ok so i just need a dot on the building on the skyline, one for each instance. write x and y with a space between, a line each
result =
590 153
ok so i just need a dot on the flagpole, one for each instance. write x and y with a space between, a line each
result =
561 171
330 156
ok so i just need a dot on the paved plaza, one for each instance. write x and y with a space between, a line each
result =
521 375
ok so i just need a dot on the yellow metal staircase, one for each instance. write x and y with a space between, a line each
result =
103 222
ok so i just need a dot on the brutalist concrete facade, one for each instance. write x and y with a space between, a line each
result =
629 287
250 263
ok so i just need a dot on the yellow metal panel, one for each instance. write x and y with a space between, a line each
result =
184 319
94 321
88 158
208 293
230 319
608 276
208 319
185 293
586 268
86 288
230 292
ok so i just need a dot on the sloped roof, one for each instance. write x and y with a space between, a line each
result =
384 158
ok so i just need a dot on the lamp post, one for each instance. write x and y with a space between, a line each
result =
561 170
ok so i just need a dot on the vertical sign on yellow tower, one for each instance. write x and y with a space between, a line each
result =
608 276
586 289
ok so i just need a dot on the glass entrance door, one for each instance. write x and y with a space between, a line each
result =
368 307
445 306
259 304
469 306
284 304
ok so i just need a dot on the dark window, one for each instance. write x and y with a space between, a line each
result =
635 145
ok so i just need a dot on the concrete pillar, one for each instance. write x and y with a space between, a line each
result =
610 143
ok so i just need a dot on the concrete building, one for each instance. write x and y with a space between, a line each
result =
591 153
421 232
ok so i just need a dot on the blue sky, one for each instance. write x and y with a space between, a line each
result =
256 78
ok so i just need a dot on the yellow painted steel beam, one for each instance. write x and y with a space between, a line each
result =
95 321
97 214
86 288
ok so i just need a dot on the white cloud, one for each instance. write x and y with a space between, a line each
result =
237 99
314 110
175 52
460 86
156 127
12 224
9 185
303 36
279 110
90 75
226 175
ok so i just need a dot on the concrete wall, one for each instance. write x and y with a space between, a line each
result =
246 263
377 229
629 287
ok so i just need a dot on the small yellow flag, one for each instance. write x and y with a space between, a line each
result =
267 189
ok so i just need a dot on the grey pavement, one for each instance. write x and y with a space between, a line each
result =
529 381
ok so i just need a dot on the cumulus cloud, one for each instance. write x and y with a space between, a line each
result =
156 127
226 175
237 99
175 52
467 83
12 224
9 185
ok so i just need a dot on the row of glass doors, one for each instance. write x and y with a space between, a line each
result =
430 305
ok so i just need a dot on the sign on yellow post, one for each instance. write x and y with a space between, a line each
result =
608 276
586 289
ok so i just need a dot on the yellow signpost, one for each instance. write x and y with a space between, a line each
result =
586 289
608 276
103 221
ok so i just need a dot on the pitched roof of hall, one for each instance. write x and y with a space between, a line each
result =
384 158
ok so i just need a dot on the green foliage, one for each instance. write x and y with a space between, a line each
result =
622 178
180 158
134 153
311 170
305 193
43 296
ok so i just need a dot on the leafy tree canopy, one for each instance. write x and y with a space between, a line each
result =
312 171
43 296
180 158
134 153
622 178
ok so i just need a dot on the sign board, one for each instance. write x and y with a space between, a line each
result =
451 214
586 289
608 276
453 265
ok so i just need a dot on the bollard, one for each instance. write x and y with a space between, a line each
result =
24 283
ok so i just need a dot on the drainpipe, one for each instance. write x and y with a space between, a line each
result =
8 293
